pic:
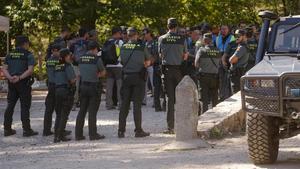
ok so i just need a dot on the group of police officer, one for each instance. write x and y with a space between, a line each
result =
168 55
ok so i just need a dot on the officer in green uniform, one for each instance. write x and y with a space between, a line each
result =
91 69
207 60
225 89
152 45
65 79
239 60
252 43
172 48
51 62
134 58
18 69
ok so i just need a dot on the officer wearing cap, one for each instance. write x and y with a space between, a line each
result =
91 68
65 80
153 70
239 59
134 58
51 62
207 60
252 43
18 69
172 48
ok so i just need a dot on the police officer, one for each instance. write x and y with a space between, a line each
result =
252 43
207 60
225 89
50 98
18 69
134 58
65 80
173 51
239 59
91 68
152 46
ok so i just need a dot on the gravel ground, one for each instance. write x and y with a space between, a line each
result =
140 153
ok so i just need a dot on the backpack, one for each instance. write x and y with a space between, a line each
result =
109 52
80 48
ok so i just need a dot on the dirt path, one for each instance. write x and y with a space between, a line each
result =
40 153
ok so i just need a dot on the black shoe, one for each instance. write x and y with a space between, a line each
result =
79 138
169 131
48 133
121 134
97 137
67 132
141 134
64 139
158 109
56 140
30 133
9 132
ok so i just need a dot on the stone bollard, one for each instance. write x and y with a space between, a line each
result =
186 118
186 110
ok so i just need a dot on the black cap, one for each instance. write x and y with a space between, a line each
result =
64 52
21 40
92 33
207 36
172 21
240 32
92 45
56 46
131 30
124 29
116 30
146 30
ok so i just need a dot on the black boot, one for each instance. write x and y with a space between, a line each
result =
121 134
78 138
29 133
67 132
97 137
64 139
47 133
9 132
141 134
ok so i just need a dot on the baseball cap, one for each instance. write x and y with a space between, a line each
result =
21 39
92 45
172 21
207 36
64 52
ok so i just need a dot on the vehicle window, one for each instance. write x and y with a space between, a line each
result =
287 41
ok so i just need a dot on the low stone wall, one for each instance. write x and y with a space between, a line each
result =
227 117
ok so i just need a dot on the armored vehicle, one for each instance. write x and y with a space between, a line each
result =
271 89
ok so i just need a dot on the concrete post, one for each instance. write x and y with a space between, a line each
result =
186 118
186 110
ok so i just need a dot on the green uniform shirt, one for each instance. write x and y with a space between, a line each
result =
243 55
209 58
89 66
152 47
139 54
252 46
50 65
18 61
172 46
64 73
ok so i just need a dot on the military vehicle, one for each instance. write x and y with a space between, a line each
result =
271 89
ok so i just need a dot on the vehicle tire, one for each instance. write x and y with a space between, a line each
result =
263 138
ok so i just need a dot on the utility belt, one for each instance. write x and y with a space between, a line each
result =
90 83
70 88
143 73
50 84
238 71
28 80
210 75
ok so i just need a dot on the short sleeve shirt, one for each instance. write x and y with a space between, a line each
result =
172 46
64 73
18 61
50 65
134 63
242 54
90 65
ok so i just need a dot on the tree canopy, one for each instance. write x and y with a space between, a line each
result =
43 19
